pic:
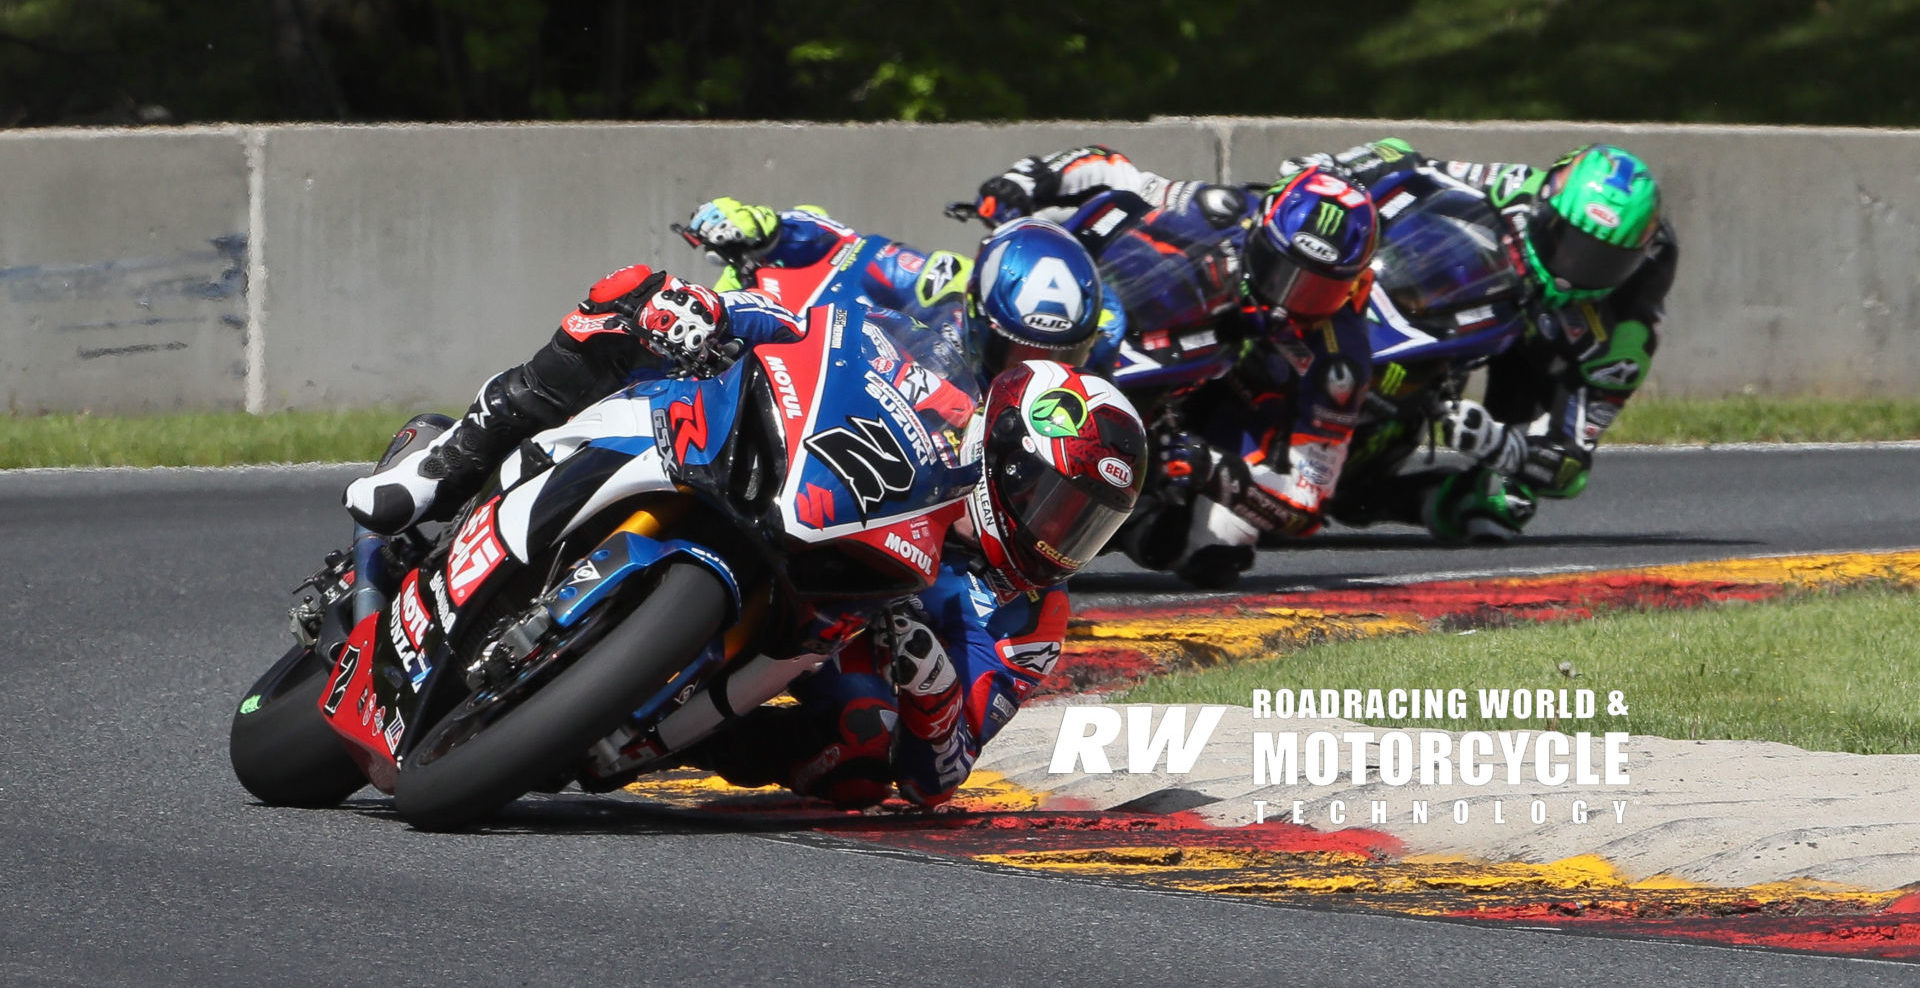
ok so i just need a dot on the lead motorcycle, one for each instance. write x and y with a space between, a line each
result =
631 580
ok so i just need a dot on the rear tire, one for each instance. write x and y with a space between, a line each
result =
551 729
282 749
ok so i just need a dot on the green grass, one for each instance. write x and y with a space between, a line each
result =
1835 671
224 438
1756 419
195 439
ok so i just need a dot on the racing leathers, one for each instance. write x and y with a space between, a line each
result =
635 323
910 704
1250 413
1549 398
928 287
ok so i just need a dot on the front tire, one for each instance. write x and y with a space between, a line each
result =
282 749
452 788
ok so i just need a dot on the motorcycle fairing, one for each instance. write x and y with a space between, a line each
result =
864 462
363 701
1174 272
1446 287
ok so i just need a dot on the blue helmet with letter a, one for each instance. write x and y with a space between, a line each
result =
1037 291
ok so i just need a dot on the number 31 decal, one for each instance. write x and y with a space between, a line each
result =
1328 185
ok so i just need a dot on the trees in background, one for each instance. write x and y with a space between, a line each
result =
1769 61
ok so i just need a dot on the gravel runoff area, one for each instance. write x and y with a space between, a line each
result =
1729 813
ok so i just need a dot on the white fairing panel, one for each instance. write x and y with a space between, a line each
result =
617 417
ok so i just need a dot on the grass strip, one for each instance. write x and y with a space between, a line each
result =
1821 670
196 438
1749 418
227 438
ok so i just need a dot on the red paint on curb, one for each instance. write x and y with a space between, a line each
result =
968 834
1885 934
1537 598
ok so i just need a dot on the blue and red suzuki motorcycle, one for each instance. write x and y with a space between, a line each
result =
632 579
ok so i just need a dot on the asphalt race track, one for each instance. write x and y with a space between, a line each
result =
137 606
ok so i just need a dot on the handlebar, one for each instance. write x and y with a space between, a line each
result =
966 212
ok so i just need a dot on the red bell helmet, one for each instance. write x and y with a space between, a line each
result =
1063 455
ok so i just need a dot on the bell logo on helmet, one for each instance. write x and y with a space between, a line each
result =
1316 248
1117 472
1049 292
1058 414
1600 214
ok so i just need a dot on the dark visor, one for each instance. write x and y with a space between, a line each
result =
1279 281
1057 523
1577 257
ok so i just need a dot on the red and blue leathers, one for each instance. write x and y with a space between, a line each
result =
1274 400
612 339
861 728
929 288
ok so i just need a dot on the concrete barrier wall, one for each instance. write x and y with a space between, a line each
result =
410 263
309 267
122 270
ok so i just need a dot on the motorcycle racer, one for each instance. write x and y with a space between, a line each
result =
1273 277
1062 454
1588 237
911 705
634 323
1030 291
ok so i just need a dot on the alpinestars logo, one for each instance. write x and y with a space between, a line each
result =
868 461
942 271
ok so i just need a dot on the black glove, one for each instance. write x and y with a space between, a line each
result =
1017 191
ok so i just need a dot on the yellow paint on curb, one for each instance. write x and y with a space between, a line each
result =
1436 884
983 792
1808 570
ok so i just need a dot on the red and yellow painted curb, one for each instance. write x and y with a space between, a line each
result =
1110 647
997 823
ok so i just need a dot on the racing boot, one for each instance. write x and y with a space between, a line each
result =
428 482
1479 506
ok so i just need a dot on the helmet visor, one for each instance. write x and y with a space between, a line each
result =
1277 280
1058 526
1578 258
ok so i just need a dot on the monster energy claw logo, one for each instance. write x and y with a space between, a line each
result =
1326 219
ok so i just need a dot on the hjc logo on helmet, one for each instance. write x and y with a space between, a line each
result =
1315 248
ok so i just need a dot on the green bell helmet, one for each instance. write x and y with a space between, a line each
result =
1590 224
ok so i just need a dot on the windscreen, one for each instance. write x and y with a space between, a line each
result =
1444 253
